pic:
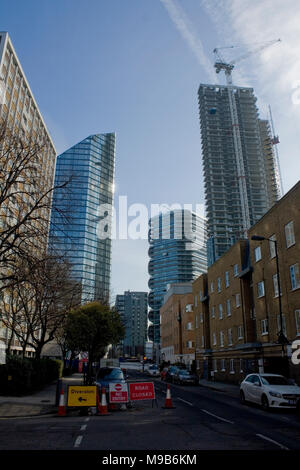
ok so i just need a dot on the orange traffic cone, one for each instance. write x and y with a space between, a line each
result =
102 407
168 402
62 406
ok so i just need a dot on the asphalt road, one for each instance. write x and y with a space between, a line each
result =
202 420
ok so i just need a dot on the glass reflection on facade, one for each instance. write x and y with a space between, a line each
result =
177 254
89 169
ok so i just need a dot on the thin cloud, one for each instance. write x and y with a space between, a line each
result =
274 72
187 31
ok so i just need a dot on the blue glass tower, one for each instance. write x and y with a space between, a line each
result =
177 254
88 167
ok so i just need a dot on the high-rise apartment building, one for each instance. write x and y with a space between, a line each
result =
21 118
19 110
177 254
79 219
133 310
222 172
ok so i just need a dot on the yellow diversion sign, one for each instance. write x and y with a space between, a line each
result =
82 396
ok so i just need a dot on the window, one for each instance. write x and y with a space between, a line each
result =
264 326
211 286
297 316
228 307
232 371
289 234
189 326
214 339
226 279
223 365
215 365
202 341
230 337
195 301
220 311
196 321
275 285
201 317
236 270
219 284
257 254
240 332
212 312
272 246
189 308
250 379
283 324
241 365
237 300
256 380
295 278
261 289
221 339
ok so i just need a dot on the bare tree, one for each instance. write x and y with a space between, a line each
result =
39 301
25 201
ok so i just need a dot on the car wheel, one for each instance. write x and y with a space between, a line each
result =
265 403
242 397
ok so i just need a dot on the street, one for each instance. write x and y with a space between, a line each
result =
203 419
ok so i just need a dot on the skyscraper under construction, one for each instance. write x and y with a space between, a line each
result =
240 175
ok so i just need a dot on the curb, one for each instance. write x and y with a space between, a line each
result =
52 412
228 392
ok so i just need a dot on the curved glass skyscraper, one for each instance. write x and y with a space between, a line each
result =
89 169
177 254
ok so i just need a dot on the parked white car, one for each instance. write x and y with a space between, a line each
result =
269 391
154 371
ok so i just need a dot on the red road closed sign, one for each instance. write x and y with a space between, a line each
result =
141 391
118 393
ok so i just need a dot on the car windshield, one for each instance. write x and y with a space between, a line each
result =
274 380
173 369
184 372
110 374
153 367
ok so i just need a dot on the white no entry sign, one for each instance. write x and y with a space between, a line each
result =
118 393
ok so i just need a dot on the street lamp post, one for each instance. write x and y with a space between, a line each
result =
179 319
281 337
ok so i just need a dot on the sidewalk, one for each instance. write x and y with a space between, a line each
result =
40 403
230 389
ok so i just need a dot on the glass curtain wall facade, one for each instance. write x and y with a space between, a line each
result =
89 169
177 254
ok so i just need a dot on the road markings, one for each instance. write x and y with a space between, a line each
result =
87 419
271 440
218 417
78 441
83 427
184 401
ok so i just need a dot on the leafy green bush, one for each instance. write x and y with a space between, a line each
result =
20 376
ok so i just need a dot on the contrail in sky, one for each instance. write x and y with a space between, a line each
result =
189 34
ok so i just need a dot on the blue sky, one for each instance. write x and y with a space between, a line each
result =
133 67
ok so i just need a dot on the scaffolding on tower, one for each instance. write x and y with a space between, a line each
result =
220 64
